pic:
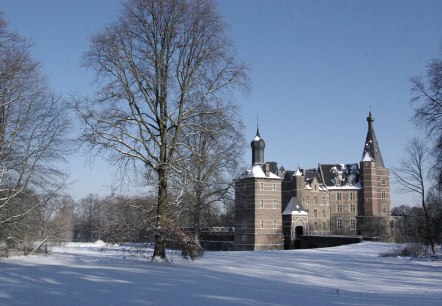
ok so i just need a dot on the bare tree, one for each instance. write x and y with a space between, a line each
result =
411 176
33 129
157 64
427 97
214 144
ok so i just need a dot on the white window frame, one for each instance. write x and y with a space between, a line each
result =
352 224
352 207
339 224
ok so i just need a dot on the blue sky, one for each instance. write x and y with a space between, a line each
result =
318 67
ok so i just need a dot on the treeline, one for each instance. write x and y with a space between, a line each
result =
113 219
415 230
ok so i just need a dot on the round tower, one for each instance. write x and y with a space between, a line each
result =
257 146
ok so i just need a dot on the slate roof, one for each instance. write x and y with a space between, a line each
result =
371 144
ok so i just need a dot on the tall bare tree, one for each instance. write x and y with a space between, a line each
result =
33 129
411 176
157 64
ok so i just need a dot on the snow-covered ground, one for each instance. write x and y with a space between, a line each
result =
90 274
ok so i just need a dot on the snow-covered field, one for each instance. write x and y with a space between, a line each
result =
90 274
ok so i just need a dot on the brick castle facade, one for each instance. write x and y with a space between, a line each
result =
274 206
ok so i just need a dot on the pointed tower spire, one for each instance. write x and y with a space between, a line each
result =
257 126
371 147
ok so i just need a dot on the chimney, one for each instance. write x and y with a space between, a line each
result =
267 169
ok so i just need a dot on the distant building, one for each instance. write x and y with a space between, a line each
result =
274 206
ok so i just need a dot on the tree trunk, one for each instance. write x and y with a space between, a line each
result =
196 224
429 229
160 224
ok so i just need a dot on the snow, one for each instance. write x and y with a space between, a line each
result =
257 138
291 209
345 187
88 274
257 172
366 157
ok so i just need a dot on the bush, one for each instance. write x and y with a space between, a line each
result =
408 250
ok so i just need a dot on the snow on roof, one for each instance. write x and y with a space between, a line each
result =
257 138
297 173
366 157
355 186
291 208
257 172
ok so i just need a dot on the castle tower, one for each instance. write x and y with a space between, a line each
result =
258 220
375 177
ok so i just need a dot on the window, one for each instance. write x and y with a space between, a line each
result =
391 224
274 204
352 224
315 226
306 210
274 223
324 200
307 199
339 224
352 196
262 223
384 209
244 223
323 226
353 207
274 187
383 180
244 238
262 186
383 194
315 212
315 199
323 214
261 203
339 196
339 208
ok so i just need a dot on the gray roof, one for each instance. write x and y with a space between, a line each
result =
371 144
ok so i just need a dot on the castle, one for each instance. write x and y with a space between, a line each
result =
274 207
